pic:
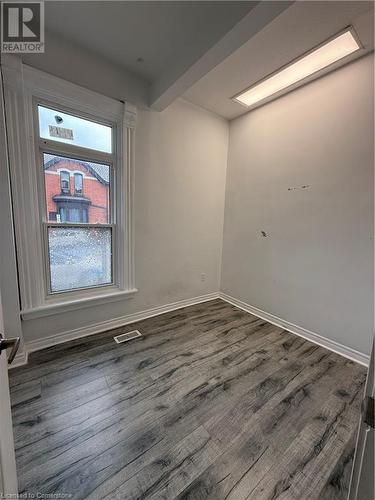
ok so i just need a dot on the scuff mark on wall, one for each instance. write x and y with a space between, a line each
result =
264 234
293 188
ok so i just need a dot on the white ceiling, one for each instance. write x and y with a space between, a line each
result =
161 33
296 30
205 51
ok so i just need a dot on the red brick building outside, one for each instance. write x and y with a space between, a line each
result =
76 191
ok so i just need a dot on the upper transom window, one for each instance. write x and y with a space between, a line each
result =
62 127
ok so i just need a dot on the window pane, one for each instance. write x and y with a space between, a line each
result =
78 183
79 257
70 129
76 190
65 182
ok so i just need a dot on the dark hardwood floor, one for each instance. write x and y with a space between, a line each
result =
212 402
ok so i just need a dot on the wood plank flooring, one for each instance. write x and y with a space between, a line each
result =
211 402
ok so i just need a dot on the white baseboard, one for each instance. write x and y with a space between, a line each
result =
37 345
341 349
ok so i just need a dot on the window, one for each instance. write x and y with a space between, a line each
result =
79 257
65 182
75 246
70 129
93 204
78 224
78 183
69 213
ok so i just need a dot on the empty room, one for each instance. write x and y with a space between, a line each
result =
187 250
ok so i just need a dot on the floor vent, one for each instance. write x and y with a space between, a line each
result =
124 337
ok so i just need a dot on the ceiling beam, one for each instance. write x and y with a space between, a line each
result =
177 80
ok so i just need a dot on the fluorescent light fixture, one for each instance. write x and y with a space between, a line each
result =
326 54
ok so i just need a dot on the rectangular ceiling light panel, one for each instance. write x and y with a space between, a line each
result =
316 60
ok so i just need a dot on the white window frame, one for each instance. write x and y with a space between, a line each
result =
76 152
25 88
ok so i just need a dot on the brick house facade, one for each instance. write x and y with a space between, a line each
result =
76 191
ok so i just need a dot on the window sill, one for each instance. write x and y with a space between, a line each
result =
75 304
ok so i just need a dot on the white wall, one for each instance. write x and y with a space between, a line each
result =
315 267
180 168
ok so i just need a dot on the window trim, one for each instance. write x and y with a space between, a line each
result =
23 86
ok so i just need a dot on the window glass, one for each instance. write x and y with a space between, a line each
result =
62 127
78 183
79 257
73 196
65 182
